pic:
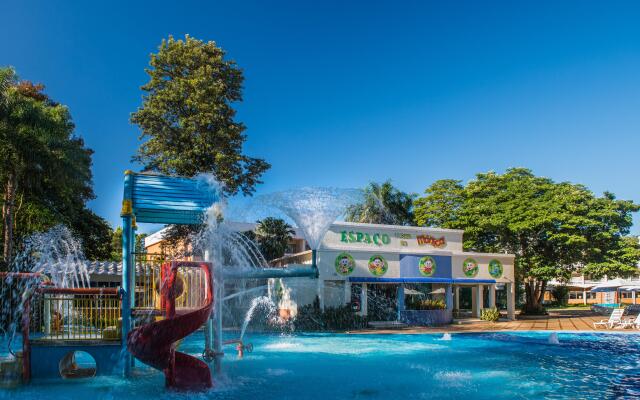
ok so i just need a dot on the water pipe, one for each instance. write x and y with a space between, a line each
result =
314 262
292 271
240 346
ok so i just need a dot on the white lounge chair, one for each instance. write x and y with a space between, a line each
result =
631 322
614 319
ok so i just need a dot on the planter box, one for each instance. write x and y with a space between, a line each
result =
426 317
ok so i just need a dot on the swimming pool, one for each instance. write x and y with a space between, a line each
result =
519 365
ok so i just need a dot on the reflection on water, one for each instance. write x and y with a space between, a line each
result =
322 366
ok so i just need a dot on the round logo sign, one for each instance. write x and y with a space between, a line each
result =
344 264
470 267
427 266
378 265
495 268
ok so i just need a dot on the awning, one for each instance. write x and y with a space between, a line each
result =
629 288
600 288
366 279
610 286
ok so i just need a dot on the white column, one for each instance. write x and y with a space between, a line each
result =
347 292
449 296
633 296
584 296
363 300
321 293
511 301
492 296
479 305
457 299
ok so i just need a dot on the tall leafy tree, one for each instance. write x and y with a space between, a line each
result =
552 228
273 235
45 171
382 204
187 117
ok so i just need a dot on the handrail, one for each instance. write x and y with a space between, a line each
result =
97 291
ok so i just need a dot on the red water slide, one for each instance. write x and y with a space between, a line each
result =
154 343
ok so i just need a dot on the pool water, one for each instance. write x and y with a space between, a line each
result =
521 365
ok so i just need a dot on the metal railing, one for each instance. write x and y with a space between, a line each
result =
191 285
78 314
148 275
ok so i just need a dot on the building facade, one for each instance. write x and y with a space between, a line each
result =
389 271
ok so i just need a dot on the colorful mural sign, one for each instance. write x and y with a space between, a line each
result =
364 237
344 264
378 265
470 268
495 269
427 266
424 240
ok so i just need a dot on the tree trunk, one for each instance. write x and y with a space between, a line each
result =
534 294
7 218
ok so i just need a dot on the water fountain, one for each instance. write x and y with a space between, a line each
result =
313 209
553 338
53 258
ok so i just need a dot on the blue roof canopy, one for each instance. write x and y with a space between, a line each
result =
166 199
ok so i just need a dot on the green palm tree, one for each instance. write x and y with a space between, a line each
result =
273 236
382 204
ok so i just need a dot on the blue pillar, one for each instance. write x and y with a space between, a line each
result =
127 261
400 299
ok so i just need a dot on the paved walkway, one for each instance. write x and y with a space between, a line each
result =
564 320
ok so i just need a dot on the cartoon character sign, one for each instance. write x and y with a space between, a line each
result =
470 267
427 266
344 264
378 265
495 268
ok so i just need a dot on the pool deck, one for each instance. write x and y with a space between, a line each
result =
557 320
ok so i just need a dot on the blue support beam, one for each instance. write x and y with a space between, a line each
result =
128 284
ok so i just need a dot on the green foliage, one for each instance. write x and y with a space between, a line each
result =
442 204
425 304
560 295
552 228
382 204
187 118
45 170
272 236
490 314
311 318
115 245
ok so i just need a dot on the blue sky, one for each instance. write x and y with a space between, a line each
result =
341 93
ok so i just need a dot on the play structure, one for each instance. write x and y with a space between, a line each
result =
159 302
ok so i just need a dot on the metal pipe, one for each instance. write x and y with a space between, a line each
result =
292 271
98 291
314 261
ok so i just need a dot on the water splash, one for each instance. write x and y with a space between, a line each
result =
313 209
262 301
553 338
57 256
446 337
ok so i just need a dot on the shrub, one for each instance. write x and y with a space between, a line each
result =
490 314
427 304
311 318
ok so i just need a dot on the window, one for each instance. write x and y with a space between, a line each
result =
575 295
